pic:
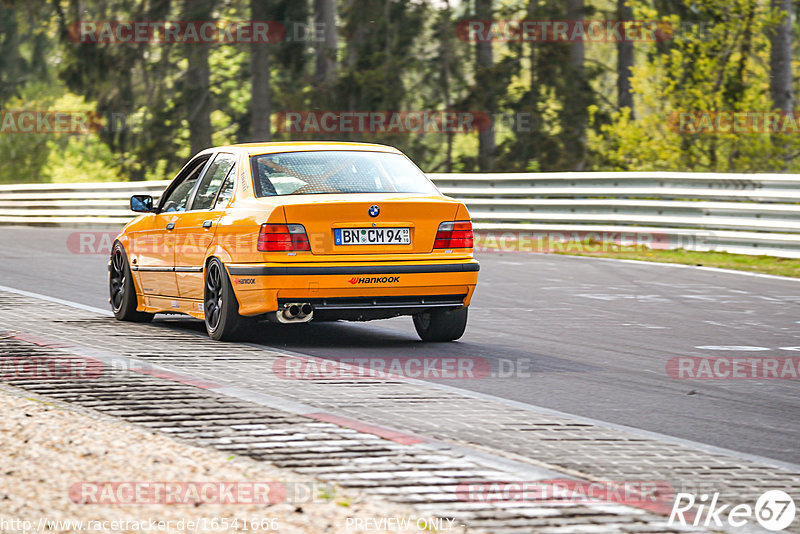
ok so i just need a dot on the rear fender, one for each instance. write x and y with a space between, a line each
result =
462 213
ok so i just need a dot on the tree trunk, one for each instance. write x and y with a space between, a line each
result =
533 99
197 96
260 94
780 60
325 18
780 63
624 61
445 66
577 119
532 103
483 80
10 58
357 32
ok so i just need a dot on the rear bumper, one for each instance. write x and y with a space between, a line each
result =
356 290
338 270
366 308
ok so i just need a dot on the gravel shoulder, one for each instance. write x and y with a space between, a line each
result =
47 448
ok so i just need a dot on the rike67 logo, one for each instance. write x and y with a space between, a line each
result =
774 510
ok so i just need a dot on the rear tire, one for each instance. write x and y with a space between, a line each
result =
441 325
122 293
221 309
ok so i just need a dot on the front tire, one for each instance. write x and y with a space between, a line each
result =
122 294
441 325
221 309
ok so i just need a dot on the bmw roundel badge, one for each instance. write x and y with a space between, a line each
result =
374 211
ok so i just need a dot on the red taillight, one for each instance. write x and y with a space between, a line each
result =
282 238
454 234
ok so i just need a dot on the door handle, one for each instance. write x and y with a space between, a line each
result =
170 226
207 224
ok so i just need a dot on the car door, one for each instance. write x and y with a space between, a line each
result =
153 251
195 230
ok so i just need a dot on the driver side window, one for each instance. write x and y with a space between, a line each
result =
178 197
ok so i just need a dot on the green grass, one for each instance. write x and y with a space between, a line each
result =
722 260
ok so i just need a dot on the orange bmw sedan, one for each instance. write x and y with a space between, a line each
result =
297 232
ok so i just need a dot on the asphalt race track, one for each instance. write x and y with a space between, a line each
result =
584 336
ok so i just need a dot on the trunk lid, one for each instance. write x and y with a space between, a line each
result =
322 215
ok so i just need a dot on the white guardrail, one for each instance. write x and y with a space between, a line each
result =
744 213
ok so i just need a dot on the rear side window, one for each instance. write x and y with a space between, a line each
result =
212 180
226 192
337 171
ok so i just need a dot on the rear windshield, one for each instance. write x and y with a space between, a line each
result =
332 171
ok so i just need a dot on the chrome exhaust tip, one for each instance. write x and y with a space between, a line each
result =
295 312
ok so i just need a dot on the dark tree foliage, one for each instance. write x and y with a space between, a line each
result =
550 103
120 77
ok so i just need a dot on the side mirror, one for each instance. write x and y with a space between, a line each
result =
142 203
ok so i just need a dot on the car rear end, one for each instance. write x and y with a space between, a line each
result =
346 239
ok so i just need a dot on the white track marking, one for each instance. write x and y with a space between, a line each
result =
55 300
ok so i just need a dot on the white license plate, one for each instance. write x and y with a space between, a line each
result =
372 236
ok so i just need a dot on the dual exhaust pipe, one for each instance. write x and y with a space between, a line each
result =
295 312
